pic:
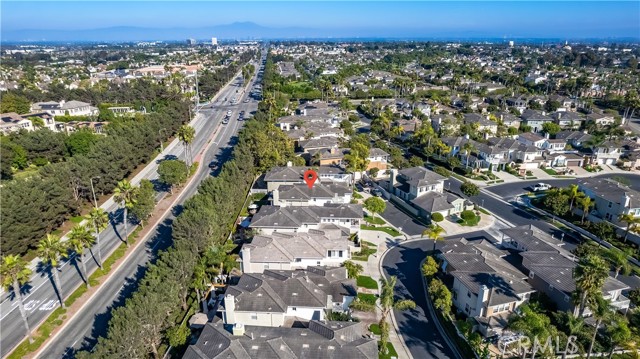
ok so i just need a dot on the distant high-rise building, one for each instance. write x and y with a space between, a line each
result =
191 41
511 43
214 41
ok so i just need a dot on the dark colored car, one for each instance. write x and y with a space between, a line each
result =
213 165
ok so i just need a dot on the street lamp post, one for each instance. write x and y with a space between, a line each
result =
95 202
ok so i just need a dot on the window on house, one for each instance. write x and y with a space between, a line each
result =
294 308
610 204
340 254
566 298
531 274
551 288
455 294
254 316
469 294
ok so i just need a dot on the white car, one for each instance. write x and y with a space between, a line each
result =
229 113
540 187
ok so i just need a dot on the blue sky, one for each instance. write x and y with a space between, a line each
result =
500 18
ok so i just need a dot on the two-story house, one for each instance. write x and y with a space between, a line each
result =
321 339
485 286
424 190
611 198
550 268
271 219
378 159
535 119
65 108
299 194
329 247
12 122
606 153
270 298
289 175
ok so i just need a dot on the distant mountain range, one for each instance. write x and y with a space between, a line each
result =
244 31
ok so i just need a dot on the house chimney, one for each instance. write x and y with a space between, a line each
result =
238 330
392 179
230 309
544 113
275 197
245 255
483 296
546 135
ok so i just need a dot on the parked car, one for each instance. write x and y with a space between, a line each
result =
540 187
376 192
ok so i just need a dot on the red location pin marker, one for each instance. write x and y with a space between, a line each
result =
310 176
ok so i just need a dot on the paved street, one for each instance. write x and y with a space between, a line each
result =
91 322
40 298
417 325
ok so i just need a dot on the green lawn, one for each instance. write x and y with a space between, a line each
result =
367 298
375 329
388 230
367 282
366 249
357 195
374 220
391 352
470 223
550 171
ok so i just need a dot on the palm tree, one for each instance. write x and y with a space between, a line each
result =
80 238
125 195
468 147
387 302
631 221
573 192
434 232
187 134
585 204
353 269
589 274
618 259
396 131
602 311
270 101
50 249
15 273
618 332
100 220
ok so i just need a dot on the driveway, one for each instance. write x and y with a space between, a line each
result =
399 219
417 326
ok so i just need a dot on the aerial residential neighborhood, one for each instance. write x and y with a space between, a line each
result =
311 187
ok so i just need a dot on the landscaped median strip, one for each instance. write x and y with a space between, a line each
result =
47 331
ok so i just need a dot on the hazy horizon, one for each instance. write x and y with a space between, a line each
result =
147 20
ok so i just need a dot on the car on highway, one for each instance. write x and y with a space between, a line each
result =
540 187
213 165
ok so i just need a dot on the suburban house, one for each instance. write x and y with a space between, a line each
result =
273 297
611 198
531 139
424 190
483 124
570 120
535 119
601 119
45 118
271 219
328 247
321 339
485 286
508 119
606 153
288 175
299 194
574 138
12 122
378 159
520 103
550 268
65 108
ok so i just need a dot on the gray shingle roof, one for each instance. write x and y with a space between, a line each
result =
275 290
320 340
611 190
433 202
285 247
419 176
